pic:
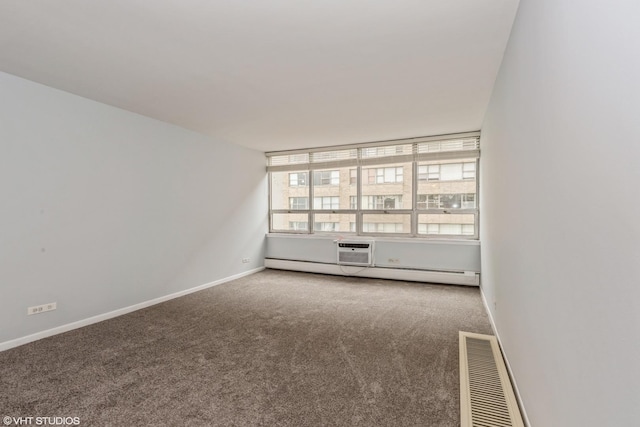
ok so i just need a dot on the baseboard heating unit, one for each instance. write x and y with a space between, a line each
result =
486 396
425 276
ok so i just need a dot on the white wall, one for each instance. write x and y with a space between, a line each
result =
102 209
560 176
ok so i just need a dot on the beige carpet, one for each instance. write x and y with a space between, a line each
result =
272 349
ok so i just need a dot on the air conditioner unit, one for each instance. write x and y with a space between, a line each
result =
355 252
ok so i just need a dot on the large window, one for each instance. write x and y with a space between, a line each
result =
424 187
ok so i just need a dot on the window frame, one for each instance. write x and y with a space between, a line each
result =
465 147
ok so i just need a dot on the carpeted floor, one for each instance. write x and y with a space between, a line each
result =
272 349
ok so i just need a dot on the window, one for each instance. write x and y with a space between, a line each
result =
298 225
329 202
298 203
468 171
382 227
450 229
325 226
447 201
447 171
353 176
429 173
382 202
326 178
298 179
383 175
447 224
321 191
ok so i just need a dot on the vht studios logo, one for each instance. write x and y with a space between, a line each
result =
41 421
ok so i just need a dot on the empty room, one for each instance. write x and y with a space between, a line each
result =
325 213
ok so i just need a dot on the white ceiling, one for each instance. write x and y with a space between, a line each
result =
270 75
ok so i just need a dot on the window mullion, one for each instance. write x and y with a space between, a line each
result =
311 215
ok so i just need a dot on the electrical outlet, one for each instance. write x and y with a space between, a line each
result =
394 260
42 308
245 260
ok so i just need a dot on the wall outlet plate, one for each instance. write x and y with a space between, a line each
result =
37 309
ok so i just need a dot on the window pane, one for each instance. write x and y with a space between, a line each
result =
448 145
298 203
390 150
392 201
451 172
387 187
289 159
289 222
333 223
444 185
326 202
298 179
288 188
386 223
332 188
447 224
333 155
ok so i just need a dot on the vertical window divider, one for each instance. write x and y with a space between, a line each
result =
414 193
310 214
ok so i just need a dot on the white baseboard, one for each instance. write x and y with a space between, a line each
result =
427 276
115 313
506 360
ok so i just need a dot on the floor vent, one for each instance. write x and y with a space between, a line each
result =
486 395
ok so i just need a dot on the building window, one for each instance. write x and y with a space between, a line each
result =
326 178
429 173
353 202
328 202
298 203
371 189
382 202
447 171
383 175
447 201
298 179
469 170
382 227
447 229
325 226
298 225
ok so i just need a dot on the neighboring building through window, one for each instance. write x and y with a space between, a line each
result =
447 171
298 203
325 226
447 201
382 202
447 229
326 178
298 179
298 225
326 202
383 175
381 227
